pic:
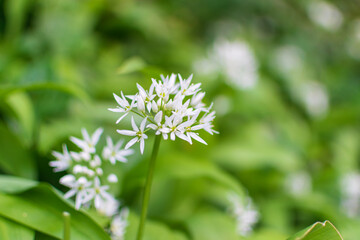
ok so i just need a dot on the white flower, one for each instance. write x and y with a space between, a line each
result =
325 15
109 207
238 63
119 224
159 126
245 214
98 193
89 143
87 179
350 192
78 187
287 59
62 161
315 99
168 106
298 184
112 178
124 106
139 134
172 123
113 152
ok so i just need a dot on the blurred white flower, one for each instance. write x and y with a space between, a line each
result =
62 161
353 42
315 99
298 184
287 59
173 109
114 152
325 15
245 213
350 194
88 144
222 104
236 59
109 208
86 178
119 224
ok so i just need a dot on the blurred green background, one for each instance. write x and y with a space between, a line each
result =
284 77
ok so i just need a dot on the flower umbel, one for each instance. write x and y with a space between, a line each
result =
245 213
172 108
86 178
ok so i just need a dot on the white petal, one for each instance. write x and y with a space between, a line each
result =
126 132
136 129
158 117
85 135
120 118
131 142
95 137
142 125
197 138
80 143
142 146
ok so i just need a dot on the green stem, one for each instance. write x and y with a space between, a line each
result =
146 194
66 216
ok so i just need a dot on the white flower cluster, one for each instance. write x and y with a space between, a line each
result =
86 179
235 59
170 108
350 193
118 225
245 213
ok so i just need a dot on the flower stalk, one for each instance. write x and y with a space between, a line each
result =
147 189
66 217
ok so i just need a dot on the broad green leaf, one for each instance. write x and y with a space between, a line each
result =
210 224
153 230
14 158
318 231
183 167
131 65
22 106
10 230
42 236
66 88
11 184
41 207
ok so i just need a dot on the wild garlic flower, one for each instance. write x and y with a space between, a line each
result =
325 15
119 224
235 60
244 212
298 184
86 179
171 108
350 194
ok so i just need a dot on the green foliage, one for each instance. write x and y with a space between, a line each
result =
62 60
38 207
318 231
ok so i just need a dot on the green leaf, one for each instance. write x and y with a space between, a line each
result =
14 158
153 230
21 105
131 65
40 208
185 167
210 224
70 89
10 230
318 231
